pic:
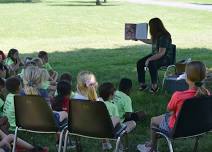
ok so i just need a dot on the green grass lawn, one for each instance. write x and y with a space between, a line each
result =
192 1
82 36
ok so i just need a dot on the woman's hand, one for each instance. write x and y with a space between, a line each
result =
147 62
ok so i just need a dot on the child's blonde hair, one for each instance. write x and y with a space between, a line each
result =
86 85
44 75
32 80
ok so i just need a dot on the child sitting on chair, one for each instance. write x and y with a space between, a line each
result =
44 57
86 86
195 72
13 87
124 103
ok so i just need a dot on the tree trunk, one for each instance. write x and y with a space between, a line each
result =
98 2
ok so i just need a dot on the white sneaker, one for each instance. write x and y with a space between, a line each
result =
144 148
106 146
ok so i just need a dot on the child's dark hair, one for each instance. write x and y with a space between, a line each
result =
42 54
13 84
63 88
66 77
106 90
2 54
11 53
125 85
2 82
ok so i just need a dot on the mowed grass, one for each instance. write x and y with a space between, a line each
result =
55 25
192 1
82 36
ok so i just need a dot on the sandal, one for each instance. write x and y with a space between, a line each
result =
154 90
143 87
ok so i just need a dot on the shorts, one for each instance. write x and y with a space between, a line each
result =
164 124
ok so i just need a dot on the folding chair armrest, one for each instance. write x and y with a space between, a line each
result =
161 132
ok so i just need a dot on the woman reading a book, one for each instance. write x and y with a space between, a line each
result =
161 54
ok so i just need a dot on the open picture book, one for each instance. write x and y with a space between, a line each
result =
136 31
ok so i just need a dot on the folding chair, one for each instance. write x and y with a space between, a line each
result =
91 120
168 67
34 115
194 120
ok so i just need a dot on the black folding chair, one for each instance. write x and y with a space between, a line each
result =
194 120
91 120
170 66
33 114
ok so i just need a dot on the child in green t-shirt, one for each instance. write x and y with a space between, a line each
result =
13 87
13 62
44 57
124 103
106 92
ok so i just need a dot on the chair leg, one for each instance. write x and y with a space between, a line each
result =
65 141
15 139
117 144
126 143
78 144
196 144
60 141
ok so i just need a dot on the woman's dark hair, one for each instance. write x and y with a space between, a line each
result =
13 84
196 73
63 89
125 85
11 54
66 77
157 29
106 90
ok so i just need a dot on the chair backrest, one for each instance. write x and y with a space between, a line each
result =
90 119
195 117
33 113
173 61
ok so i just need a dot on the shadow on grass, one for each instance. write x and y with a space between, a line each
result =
206 4
113 64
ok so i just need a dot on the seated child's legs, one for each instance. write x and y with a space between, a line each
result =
130 125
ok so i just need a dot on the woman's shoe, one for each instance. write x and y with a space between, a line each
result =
154 90
143 87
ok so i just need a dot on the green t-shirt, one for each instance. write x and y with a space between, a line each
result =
8 61
45 85
163 42
9 110
47 66
123 103
112 109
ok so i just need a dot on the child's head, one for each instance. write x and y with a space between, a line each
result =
66 77
2 83
86 85
13 54
106 91
44 56
13 85
28 61
38 62
196 73
44 75
32 80
125 85
2 56
3 70
63 88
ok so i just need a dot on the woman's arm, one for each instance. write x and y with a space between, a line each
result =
157 56
147 41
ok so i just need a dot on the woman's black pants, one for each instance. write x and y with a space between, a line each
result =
153 67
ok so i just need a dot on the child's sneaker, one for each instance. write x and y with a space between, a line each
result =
106 146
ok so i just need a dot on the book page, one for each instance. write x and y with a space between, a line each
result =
130 31
141 31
